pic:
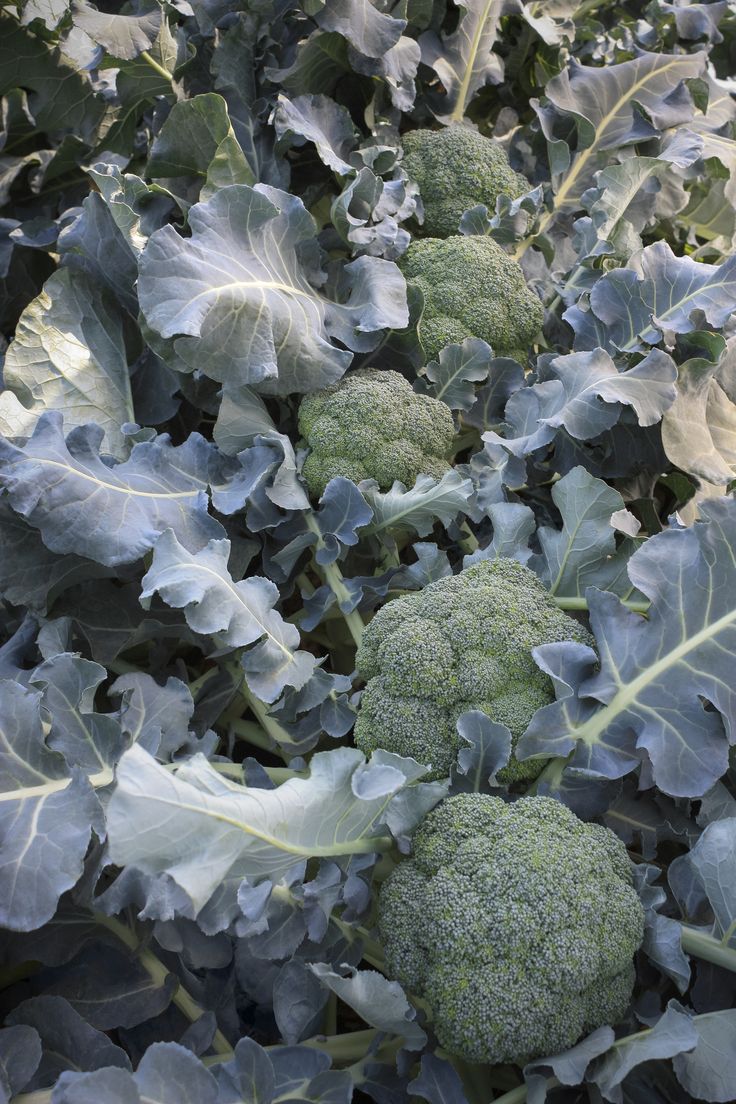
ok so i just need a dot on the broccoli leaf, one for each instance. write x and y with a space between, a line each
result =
704 874
235 614
699 429
46 813
418 508
68 355
320 120
197 141
674 1033
241 296
379 1002
603 102
20 1054
657 293
656 674
464 61
707 1072
112 514
458 368
584 552
123 36
200 828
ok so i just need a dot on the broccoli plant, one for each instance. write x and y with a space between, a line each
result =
457 168
367 529
471 288
462 643
372 425
529 926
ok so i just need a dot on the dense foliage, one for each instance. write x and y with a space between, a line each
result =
220 221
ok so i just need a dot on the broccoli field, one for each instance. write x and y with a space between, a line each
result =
367 552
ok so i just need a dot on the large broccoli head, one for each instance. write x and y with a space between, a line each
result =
471 288
529 923
457 168
461 643
371 425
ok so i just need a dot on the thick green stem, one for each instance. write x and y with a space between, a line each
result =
552 774
581 604
252 734
518 1095
330 1017
335 580
9 975
475 1079
158 973
342 1049
268 723
372 950
708 948
157 68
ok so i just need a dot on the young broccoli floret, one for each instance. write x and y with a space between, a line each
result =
371 425
464 642
471 288
457 168
529 924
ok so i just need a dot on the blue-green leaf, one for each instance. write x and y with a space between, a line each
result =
111 514
235 614
656 674
241 297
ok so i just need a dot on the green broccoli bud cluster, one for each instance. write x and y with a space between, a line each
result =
456 168
471 288
529 925
463 642
372 425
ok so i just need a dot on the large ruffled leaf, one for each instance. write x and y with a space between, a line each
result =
418 507
200 828
69 356
241 297
46 813
464 61
656 675
584 551
111 514
604 102
656 294
123 36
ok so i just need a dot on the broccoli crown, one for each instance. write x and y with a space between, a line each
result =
471 288
371 425
463 642
529 923
457 168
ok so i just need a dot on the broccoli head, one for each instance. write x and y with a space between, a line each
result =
471 288
529 924
457 168
371 425
463 642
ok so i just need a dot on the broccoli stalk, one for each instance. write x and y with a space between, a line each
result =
333 576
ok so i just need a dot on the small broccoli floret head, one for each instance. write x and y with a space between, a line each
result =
529 924
372 425
471 288
464 642
457 168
